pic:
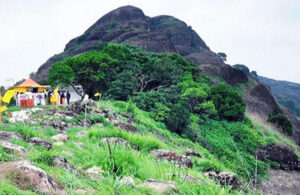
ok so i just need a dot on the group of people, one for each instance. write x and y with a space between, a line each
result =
30 99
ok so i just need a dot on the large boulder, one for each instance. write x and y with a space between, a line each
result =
27 175
79 106
12 147
178 159
283 155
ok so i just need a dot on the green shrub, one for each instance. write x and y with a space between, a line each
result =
228 102
4 156
282 122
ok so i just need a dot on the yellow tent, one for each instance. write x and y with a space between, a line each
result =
30 85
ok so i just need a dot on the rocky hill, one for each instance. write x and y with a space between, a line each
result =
286 93
166 34
129 25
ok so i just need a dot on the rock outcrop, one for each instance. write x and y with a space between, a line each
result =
230 75
283 155
129 25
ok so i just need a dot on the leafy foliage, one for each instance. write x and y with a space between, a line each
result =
229 103
158 83
281 122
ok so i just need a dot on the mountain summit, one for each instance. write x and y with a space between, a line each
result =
129 25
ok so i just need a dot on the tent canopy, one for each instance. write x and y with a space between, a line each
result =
28 84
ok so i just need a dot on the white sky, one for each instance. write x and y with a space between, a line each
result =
262 34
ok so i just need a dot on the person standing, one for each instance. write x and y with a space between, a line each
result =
49 97
63 96
17 99
68 97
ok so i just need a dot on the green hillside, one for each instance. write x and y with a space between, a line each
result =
161 122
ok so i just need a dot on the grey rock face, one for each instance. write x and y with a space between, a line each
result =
129 25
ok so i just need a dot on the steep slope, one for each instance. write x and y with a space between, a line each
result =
129 25
261 101
286 93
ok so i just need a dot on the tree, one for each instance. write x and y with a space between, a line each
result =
179 118
228 102
282 122
62 74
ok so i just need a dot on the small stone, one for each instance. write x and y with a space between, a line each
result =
127 181
60 137
81 134
58 143
60 161
79 144
67 153
190 152
40 142
95 173
115 140
159 186
94 170
179 159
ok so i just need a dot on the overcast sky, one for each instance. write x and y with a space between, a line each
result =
262 34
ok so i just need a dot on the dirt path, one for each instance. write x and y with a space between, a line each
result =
281 183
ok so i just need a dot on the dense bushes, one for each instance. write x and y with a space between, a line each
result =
282 122
229 103
167 85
